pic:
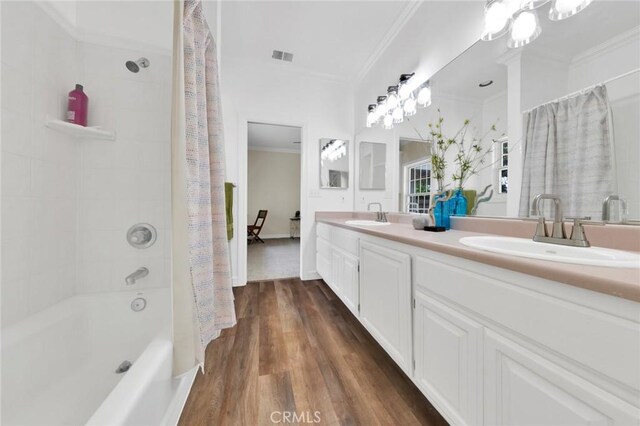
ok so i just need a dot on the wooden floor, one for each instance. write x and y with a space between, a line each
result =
297 349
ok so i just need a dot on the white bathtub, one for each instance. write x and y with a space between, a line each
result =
58 366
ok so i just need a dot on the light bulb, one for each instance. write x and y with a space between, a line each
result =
392 98
403 91
388 122
496 20
398 115
409 106
525 29
424 95
372 117
563 9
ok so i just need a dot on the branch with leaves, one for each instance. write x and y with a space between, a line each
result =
471 156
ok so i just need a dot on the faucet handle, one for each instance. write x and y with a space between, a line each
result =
541 228
577 231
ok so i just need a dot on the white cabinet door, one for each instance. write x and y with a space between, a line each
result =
323 258
349 283
336 271
524 388
448 354
385 300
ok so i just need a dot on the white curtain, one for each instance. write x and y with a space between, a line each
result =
202 290
568 151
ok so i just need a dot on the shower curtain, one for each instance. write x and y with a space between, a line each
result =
568 151
202 290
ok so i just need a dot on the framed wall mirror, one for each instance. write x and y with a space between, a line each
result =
334 163
373 165
587 88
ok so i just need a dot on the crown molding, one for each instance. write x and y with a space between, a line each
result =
397 26
273 149
618 41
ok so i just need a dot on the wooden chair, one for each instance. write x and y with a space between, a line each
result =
253 231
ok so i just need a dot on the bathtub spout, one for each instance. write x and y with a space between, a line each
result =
139 273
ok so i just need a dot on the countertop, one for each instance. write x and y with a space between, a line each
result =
619 282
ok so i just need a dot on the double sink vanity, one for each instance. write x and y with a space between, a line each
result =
496 329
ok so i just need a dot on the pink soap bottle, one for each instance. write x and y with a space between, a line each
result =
77 106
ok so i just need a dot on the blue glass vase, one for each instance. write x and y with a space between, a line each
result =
441 211
458 203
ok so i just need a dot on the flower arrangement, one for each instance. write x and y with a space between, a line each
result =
469 159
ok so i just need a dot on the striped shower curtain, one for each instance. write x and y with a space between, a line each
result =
198 171
568 151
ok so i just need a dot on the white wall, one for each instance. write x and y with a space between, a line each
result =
273 94
39 165
273 185
126 181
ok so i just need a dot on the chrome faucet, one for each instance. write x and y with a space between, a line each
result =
558 234
380 215
134 276
606 207
558 224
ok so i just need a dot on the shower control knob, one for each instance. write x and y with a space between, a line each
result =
141 235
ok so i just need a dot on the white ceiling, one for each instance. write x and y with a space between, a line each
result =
562 40
334 38
274 137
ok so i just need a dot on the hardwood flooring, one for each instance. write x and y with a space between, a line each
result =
298 356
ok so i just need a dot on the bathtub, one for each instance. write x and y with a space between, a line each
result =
58 366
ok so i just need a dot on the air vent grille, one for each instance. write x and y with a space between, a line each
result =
282 56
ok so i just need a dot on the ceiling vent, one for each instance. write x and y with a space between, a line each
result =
282 56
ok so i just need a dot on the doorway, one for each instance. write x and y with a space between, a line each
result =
273 201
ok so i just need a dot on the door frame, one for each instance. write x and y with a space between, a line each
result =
243 184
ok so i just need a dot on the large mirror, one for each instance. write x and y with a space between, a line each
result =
372 165
565 112
334 163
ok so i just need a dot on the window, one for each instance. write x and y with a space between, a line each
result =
503 166
418 186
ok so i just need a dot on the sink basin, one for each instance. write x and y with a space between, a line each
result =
523 247
366 223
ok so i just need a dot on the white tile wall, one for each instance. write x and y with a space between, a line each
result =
67 204
39 166
126 181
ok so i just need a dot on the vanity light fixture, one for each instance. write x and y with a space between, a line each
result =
392 98
401 101
424 94
372 118
525 29
563 9
404 91
520 19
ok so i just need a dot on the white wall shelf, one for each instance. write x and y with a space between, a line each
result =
77 131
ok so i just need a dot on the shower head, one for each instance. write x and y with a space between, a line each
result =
135 66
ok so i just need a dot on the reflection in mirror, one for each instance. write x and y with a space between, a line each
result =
415 175
373 165
582 84
334 163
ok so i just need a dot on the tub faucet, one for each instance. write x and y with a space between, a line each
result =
134 276
380 215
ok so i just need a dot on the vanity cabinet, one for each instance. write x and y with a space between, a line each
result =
497 347
337 263
385 300
448 359
487 345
